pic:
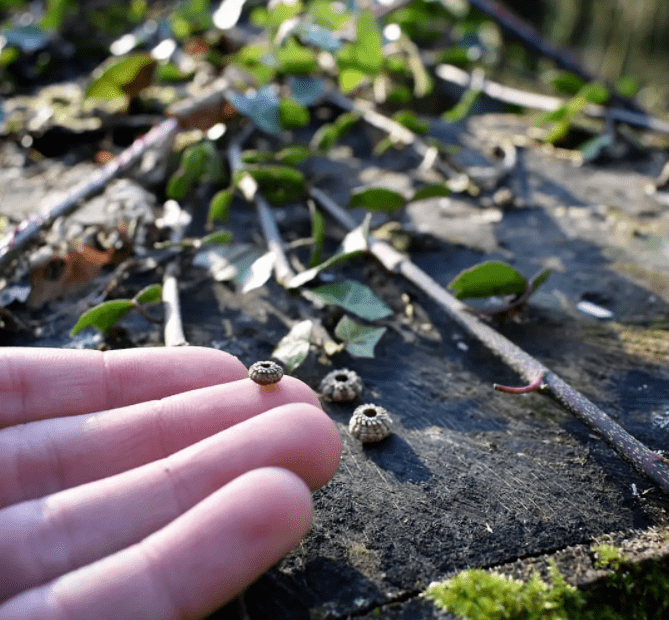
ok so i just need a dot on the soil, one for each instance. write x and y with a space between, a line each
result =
470 477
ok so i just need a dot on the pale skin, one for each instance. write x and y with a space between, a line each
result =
148 483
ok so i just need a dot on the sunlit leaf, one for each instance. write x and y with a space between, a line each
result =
377 199
123 77
360 339
262 108
219 206
104 316
331 15
435 190
259 272
293 348
292 115
56 11
627 86
151 294
350 79
488 279
564 81
295 59
367 49
353 297
595 93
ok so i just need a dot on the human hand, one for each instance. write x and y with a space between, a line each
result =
133 484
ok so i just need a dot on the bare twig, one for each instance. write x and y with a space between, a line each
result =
649 463
515 96
29 228
174 331
249 188
396 131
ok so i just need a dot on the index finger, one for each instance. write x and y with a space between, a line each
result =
38 383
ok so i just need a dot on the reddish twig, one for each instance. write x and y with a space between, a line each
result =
649 463
536 385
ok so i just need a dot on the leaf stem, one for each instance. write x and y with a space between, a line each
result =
647 462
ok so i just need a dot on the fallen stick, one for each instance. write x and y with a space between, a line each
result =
29 228
515 96
540 378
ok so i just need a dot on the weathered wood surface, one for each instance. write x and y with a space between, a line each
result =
470 477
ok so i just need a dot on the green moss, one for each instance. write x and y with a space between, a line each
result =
632 591
608 556
480 595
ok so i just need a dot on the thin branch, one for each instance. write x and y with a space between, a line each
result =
29 228
649 463
515 96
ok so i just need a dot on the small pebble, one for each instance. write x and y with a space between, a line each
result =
370 423
341 385
265 373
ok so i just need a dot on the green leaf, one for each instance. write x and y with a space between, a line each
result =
595 93
368 50
360 339
104 316
293 348
354 244
435 190
350 79
295 59
151 294
279 184
317 234
116 80
194 160
327 135
627 86
293 155
220 206
353 297
488 279
292 115
377 199
564 81
539 279
411 121
177 186
220 237
56 12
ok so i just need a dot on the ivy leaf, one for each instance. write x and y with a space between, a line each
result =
377 199
293 348
488 279
262 108
151 294
360 339
352 297
104 316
